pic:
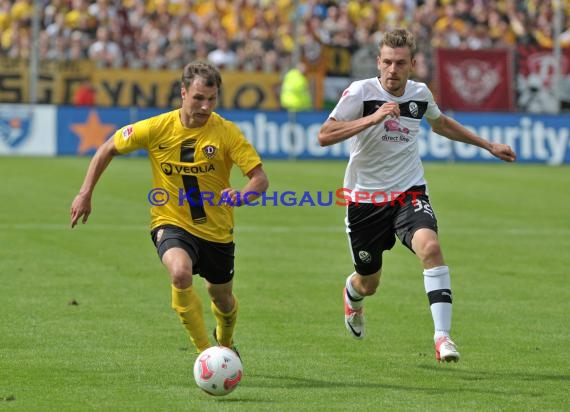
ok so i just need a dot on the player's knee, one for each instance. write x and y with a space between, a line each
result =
181 276
430 250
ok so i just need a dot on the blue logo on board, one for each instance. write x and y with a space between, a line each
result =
14 126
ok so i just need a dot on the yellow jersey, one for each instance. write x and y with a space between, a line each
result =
191 166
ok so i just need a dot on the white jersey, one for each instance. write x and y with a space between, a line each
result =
385 157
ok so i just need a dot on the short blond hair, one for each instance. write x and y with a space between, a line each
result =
399 38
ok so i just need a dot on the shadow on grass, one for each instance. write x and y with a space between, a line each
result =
495 374
290 382
239 399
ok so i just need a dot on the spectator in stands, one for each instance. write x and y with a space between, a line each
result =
364 60
565 36
223 56
477 37
84 94
9 36
79 18
57 26
176 52
77 47
499 30
104 51
271 62
5 17
295 90
22 11
154 57
542 32
20 41
58 49
103 12
333 23
260 33
519 23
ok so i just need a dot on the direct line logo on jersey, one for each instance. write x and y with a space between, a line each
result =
341 197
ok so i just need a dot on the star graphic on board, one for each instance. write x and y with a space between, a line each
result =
92 133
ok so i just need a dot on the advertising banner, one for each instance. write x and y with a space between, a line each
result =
474 80
536 138
536 85
80 131
27 130
161 88
59 81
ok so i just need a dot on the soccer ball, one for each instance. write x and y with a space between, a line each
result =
218 370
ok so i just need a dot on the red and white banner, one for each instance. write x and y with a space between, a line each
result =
474 80
536 80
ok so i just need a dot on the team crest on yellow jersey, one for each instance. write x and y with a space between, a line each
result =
210 151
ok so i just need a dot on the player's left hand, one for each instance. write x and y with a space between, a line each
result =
231 194
503 152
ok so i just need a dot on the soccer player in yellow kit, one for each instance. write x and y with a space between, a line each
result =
191 152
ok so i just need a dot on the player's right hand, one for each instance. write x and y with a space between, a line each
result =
390 109
80 207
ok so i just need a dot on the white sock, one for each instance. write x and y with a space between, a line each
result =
355 300
437 284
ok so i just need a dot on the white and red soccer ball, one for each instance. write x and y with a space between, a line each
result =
218 370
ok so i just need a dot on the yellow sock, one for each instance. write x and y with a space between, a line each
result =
188 305
225 323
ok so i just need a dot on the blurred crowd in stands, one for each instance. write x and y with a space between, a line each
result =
260 35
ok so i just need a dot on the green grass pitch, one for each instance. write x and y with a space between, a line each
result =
86 322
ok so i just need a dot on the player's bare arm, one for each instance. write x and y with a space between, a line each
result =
453 130
81 205
256 185
334 131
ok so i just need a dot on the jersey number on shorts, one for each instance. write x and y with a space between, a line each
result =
191 185
422 205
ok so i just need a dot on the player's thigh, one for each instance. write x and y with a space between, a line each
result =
216 263
169 236
415 213
177 249
370 233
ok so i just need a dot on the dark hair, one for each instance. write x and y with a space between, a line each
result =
204 70
399 38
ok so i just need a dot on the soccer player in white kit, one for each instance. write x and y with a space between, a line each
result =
385 181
